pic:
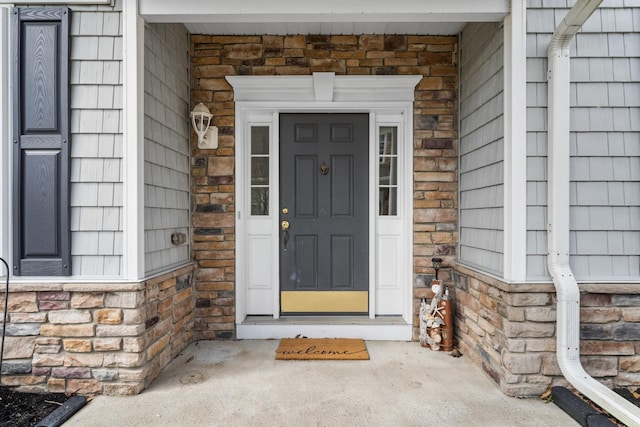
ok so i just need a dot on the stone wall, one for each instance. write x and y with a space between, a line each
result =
213 181
94 338
510 331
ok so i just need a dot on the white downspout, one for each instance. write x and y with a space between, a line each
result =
568 294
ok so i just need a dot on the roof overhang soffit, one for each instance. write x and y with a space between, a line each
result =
246 11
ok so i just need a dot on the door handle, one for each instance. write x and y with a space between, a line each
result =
285 235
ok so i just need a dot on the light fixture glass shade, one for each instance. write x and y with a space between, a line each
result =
201 120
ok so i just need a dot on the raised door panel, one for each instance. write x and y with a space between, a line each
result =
324 187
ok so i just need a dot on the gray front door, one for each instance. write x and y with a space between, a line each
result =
324 213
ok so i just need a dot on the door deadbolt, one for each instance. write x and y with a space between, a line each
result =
285 211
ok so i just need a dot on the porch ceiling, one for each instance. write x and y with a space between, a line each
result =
247 17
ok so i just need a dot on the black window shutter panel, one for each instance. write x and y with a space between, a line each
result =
40 73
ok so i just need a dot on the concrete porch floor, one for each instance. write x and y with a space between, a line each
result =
239 383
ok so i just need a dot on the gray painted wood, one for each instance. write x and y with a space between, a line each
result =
328 242
41 142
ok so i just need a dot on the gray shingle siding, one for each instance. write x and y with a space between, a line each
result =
96 126
482 147
166 144
605 140
96 145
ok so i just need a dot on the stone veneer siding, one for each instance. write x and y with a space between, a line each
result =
93 338
510 331
213 179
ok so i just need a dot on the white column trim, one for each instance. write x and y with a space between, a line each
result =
5 139
274 139
408 204
515 147
133 142
373 186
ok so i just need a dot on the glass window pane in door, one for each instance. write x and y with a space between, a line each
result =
388 170
388 201
388 140
259 183
260 171
260 201
260 140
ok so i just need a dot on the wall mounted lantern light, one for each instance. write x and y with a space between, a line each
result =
437 263
201 120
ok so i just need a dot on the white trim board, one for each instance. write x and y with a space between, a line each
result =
324 87
259 101
515 147
5 138
133 142
327 11
373 332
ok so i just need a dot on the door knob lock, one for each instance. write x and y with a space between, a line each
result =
285 235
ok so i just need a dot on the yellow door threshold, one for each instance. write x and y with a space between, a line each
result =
324 301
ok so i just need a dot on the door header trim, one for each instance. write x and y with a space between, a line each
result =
324 87
259 101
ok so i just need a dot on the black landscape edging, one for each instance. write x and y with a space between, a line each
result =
578 409
64 412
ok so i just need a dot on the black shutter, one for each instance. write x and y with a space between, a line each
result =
40 73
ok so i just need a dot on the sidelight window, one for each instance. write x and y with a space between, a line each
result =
388 171
259 170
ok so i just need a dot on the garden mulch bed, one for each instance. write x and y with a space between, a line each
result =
27 409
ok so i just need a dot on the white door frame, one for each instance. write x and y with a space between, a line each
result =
259 100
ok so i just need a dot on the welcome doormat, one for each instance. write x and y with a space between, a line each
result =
322 349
